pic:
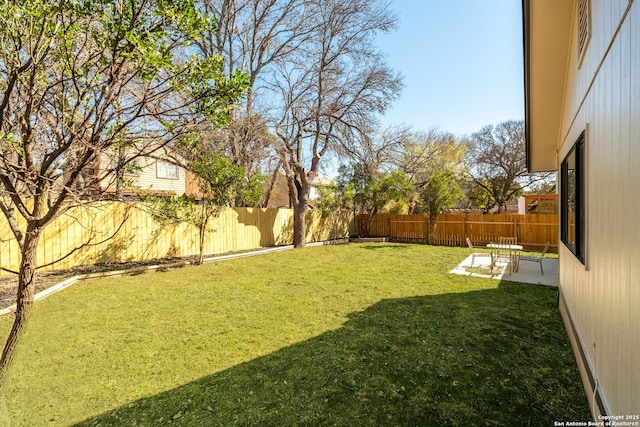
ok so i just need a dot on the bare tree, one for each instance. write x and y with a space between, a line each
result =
377 153
315 77
253 35
498 161
78 81
330 92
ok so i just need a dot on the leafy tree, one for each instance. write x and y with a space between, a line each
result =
220 184
370 195
423 155
440 193
250 191
476 196
77 81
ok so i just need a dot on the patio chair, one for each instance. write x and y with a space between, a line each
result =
508 240
473 253
537 259
501 253
514 255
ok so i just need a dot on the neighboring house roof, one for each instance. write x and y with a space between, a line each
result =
547 28
279 192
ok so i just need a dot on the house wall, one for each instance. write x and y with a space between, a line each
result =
147 178
601 299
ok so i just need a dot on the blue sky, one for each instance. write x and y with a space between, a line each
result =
461 61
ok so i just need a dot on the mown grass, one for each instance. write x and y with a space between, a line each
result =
375 334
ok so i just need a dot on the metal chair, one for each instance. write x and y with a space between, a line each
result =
500 256
474 254
514 255
508 240
537 259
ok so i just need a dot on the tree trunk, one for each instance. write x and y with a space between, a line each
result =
202 231
299 226
24 300
120 174
432 228
299 187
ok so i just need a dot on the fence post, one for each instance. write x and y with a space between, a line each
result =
464 229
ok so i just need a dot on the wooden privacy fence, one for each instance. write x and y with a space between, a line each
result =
137 237
532 231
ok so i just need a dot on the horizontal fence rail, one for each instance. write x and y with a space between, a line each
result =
111 232
532 231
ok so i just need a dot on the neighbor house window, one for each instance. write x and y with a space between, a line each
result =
572 195
166 170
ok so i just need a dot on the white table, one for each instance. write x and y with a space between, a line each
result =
514 254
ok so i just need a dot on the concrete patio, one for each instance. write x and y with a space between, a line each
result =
528 272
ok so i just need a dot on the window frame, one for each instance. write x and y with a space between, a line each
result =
577 244
167 165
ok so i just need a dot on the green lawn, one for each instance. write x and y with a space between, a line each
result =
350 335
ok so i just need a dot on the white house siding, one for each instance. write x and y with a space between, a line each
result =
603 297
147 178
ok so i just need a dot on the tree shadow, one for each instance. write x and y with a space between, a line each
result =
272 225
112 253
491 357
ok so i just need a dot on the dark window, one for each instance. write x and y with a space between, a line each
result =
572 224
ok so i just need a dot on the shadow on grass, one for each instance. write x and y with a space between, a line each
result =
493 357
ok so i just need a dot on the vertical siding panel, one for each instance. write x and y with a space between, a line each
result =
633 266
608 294
625 348
616 167
600 337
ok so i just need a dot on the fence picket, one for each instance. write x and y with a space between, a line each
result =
139 238
532 231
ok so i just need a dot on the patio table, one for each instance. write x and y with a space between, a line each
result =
514 254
